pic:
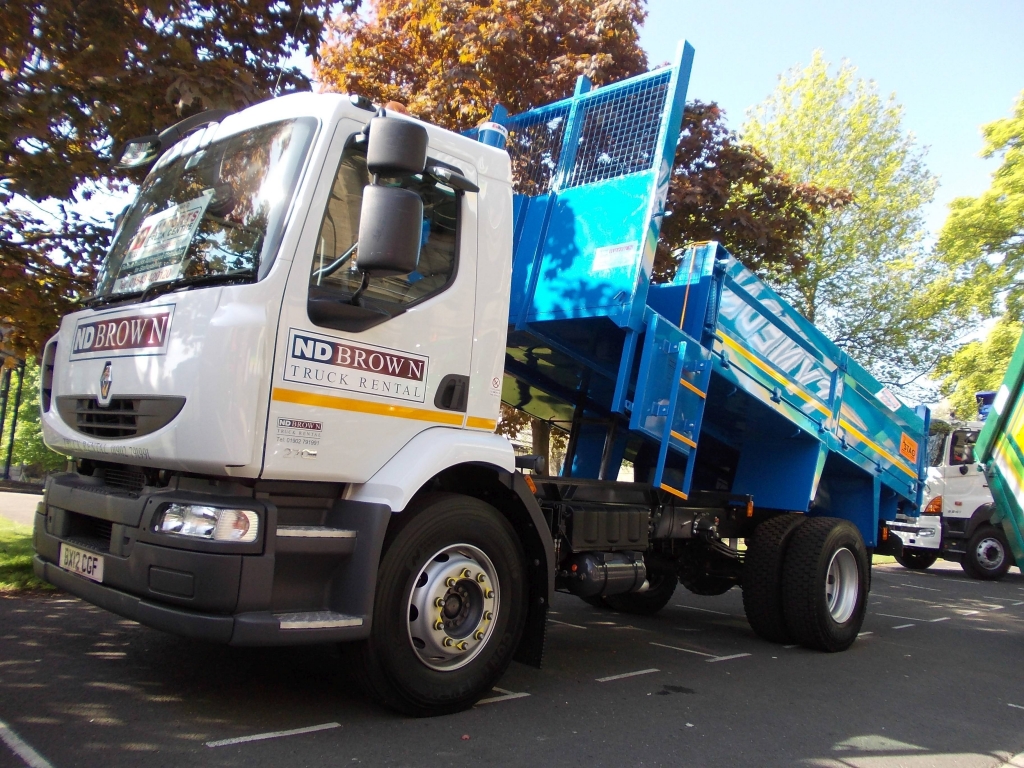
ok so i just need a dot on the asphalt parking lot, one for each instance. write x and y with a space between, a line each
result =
935 679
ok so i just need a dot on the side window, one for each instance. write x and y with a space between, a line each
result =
961 447
334 273
935 446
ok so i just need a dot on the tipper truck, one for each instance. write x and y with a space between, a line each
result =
1000 449
282 398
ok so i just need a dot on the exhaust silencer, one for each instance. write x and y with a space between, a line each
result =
605 573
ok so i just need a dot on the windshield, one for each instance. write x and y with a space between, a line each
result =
217 211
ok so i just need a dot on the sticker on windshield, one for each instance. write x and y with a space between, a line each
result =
158 249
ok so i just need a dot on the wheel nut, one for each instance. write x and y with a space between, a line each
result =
439 602
465 573
462 646
450 581
478 635
481 578
489 593
438 625
448 642
488 615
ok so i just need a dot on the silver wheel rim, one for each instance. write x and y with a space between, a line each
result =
842 585
452 606
989 553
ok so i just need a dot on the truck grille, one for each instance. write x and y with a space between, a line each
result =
123 477
124 417
89 532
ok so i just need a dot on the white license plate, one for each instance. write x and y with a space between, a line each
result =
82 562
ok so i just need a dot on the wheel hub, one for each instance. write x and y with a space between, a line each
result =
990 554
842 585
451 607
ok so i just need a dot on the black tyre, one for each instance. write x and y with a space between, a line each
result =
916 561
662 584
449 608
762 577
825 584
988 555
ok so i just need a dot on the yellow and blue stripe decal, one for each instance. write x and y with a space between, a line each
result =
799 390
354 405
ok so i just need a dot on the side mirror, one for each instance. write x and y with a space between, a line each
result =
390 231
396 147
963 469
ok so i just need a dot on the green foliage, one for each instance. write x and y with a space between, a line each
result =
16 558
29 449
978 366
868 284
983 237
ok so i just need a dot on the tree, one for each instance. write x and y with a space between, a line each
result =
868 283
82 76
29 450
978 366
451 61
983 237
723 189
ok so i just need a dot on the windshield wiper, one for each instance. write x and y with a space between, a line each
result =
165 286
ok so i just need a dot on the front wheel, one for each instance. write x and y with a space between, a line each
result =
449 608
987 556
825 584
916 561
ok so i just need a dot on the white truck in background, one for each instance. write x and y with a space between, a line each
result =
956 511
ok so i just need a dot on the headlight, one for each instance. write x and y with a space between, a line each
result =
214 523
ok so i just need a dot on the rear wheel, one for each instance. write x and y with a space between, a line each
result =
449 608
916 561
762 577
825 584
987 556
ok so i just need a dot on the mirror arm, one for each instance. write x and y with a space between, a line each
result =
337 264
360 290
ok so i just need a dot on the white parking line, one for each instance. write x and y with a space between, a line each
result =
566 624
273 735
916 586
727 658
1020 603
794 645
626 674
1015 706
913 618
710 657
685 650
861 634
903 626
703 610
505 696
14 742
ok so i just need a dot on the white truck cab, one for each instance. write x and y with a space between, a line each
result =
957 505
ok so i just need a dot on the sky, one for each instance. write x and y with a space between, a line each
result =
952 65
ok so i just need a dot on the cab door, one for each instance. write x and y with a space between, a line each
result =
358 373
966 487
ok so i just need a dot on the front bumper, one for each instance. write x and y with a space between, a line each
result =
282 589
923 533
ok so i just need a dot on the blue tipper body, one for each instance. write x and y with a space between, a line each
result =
709 383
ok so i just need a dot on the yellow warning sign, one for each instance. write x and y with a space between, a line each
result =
908 448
